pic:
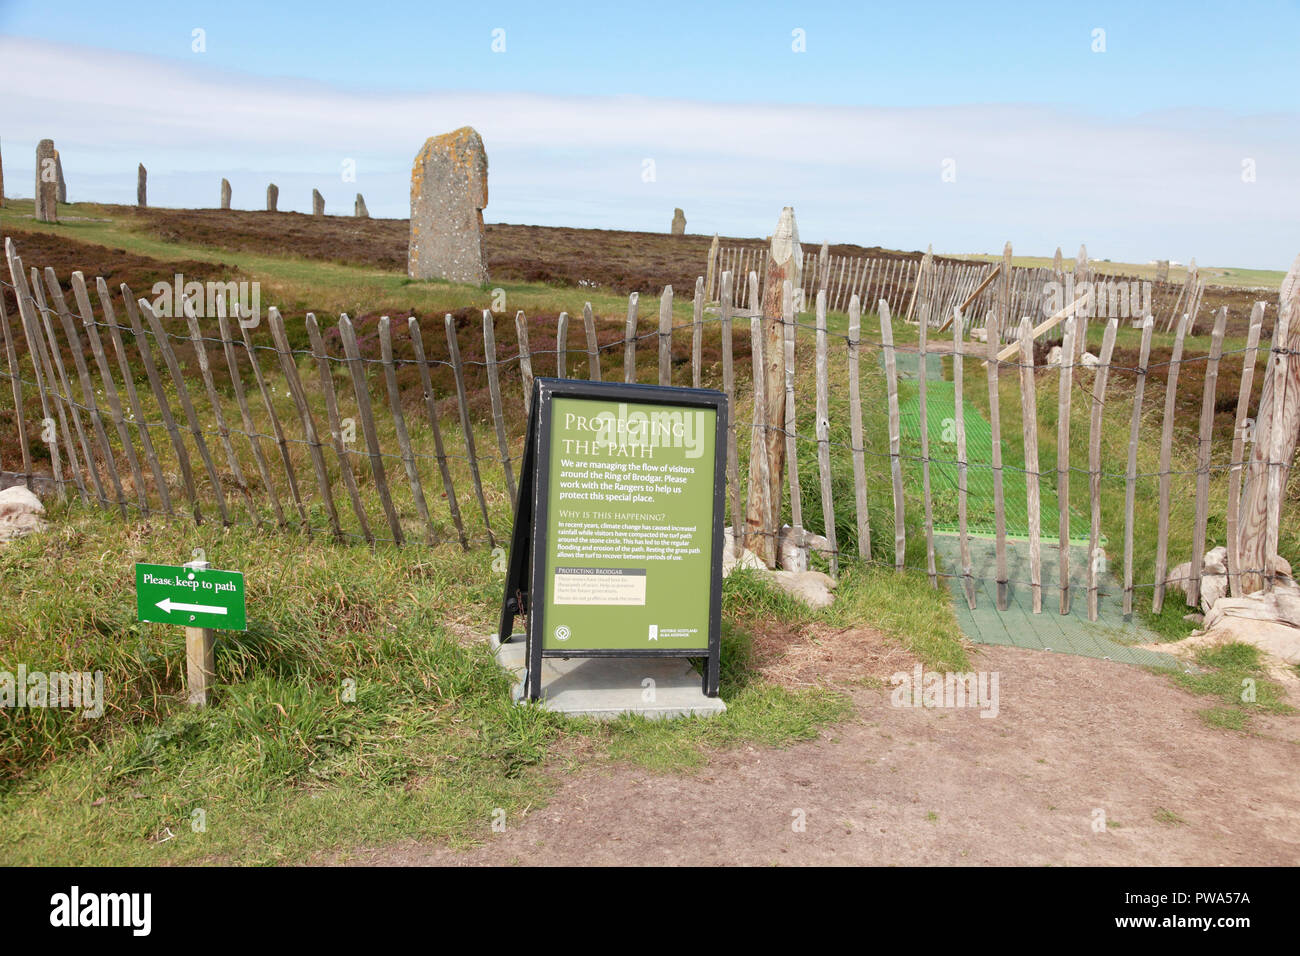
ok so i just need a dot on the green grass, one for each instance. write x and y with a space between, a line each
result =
296 285
1234 674
361 707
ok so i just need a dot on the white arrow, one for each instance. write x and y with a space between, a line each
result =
168 605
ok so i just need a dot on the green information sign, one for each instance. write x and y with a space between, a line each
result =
190 597
617 545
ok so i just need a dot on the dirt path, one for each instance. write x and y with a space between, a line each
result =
910 786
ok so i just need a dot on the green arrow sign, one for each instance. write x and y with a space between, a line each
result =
190 597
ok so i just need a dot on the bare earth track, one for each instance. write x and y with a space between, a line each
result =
908 786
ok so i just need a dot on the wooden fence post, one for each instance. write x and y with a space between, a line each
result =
666 336
593 351
187 406
1276 424
629 339
431 408
959 424
788 332
895 435
1166 453
1065 396
823 423
399 419
783 261
1029 427
1249 360
1095 553
494 390
729 386
462 402
1203 457
855 429
160 396
299 395
223 431
246 416
1130 488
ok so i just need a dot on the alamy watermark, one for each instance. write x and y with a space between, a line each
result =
934 689
243 300
62 690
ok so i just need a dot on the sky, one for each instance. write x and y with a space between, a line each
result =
1145 131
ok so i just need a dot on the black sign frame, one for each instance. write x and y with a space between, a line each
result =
526 569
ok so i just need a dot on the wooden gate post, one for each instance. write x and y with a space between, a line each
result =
763 510
1276 425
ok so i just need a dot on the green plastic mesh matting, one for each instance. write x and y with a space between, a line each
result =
1110 637
941 410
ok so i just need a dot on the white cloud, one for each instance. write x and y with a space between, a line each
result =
1155 186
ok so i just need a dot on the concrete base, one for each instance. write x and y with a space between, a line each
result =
608 687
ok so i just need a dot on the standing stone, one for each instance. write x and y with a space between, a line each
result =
449 191
61 193
1162 270
317 203
359 208
225 194
679 223
47 182
141 181
272 197
2 182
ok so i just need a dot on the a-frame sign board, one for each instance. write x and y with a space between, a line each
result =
617 542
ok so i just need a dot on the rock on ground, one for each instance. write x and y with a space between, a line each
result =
21 512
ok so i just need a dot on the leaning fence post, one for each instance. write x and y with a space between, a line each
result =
16 386
494 391
431 409
462 402
362 389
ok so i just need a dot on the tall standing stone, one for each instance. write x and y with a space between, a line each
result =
141 184
1162 270
679 223
225 194
449 191
317 203
2 182
359 208
47 182
272 197
61 192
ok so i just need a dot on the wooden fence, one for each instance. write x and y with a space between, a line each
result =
256 438
951 283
